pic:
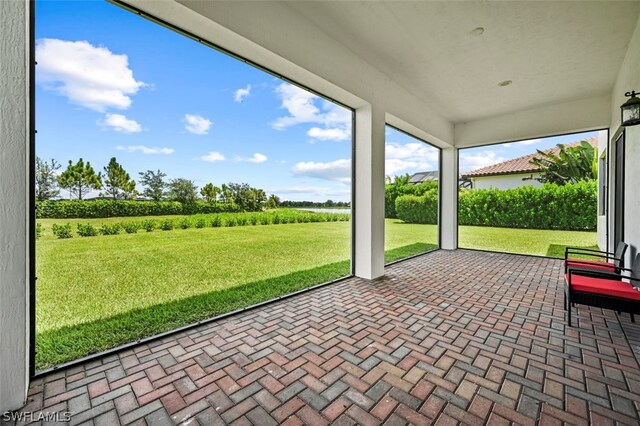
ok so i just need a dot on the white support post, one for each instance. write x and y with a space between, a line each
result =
369 196
14 122
449 199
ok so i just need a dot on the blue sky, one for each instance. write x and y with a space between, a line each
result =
112 84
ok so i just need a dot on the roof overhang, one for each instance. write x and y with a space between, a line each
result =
428 65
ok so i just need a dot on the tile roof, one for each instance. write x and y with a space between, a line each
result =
521 164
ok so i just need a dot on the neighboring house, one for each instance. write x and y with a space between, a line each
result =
434 175
424 176
511 174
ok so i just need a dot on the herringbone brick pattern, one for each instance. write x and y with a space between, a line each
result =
446 338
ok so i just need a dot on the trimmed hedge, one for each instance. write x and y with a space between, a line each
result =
273 217
91 209
571 207
392 191
418 209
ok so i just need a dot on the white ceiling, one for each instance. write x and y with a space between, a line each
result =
553 51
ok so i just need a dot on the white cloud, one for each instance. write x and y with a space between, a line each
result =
212 157
339 170
525 142
240 94
90 76
394 166
469 162
302 108
256 158
336 134
146 150
197 124
120 123
399 158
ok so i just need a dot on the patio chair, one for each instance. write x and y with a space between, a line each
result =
601 259
617 290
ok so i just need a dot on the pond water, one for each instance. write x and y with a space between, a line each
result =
321 210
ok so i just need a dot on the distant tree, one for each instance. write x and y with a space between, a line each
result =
398 180
80 178
117 181
154 184
273 202
226 195
183 190
245 196
210 193
570 165
46 180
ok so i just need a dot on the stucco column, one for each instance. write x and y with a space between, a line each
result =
449 199
14 38
369 187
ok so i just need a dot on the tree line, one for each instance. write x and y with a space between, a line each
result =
81 178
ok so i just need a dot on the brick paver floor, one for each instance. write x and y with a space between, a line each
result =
449 337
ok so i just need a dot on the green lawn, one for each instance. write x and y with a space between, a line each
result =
524 241
99 292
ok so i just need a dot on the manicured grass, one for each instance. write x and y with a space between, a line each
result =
99 292
407 239
96 293
524 241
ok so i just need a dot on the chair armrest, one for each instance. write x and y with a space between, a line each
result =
586 252
599 273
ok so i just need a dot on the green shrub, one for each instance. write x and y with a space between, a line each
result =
166 225
39 230
87 230
62 231
89 209
418 209
216 222
393 191
184 223
571 207
264 220
131 227
200 223
149 225
230 221
110 229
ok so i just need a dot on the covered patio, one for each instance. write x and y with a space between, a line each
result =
446 337
453 336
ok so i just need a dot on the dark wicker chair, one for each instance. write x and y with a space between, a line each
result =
598 259
603 289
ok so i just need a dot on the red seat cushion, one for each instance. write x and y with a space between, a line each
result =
602 286
592 264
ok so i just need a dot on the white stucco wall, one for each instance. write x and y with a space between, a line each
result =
629 79
13 204
505 181
449 198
